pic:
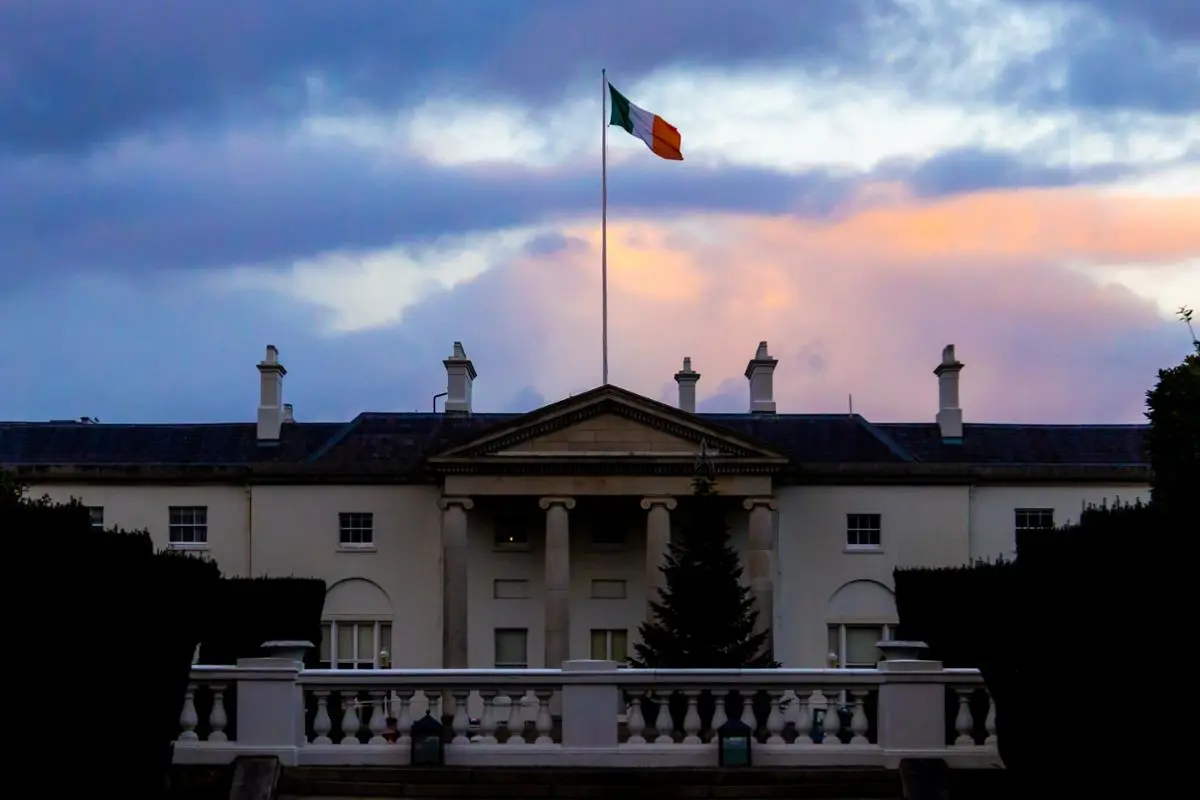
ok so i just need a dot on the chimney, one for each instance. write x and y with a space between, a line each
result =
287 413
270 399
760 371
687 380
460 373
949 416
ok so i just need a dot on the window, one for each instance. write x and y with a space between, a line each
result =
188 525
510 589
511 533
863 531
610 645
96 517
853 646
356 529
1034 519
355 645
512 648
608 589
608 533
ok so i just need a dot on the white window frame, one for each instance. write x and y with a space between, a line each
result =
1027 513
608 643
361 523
496 634
329 634
888 629
96 517
197 530
856 527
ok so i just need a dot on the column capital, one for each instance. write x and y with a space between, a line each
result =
465 503
566 502
669 503
751 503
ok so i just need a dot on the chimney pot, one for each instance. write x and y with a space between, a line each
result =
760 372
288 413
460 375
687 380
949 416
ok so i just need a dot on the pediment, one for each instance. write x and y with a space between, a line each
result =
605 424
605 434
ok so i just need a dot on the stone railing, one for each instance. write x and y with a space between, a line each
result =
590 713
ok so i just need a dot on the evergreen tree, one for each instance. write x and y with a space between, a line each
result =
704 617
1173 442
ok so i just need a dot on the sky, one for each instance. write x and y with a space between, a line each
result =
361 183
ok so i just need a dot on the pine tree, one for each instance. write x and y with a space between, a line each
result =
704 617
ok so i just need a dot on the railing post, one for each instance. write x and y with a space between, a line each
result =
270 707
911 717
589 710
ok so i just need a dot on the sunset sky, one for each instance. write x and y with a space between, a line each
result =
362 182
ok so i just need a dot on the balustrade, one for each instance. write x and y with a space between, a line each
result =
498 717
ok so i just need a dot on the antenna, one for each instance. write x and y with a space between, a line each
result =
435 399
850 401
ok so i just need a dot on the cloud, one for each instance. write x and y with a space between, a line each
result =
185 61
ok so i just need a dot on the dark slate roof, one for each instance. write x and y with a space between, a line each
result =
194 445
402 440
1076 445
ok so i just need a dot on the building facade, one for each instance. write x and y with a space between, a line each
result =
461 539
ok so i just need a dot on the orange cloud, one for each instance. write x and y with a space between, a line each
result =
863 304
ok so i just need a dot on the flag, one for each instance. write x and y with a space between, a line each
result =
660 136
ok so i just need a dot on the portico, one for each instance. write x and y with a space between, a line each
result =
604 471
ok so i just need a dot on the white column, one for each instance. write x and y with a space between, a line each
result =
454 581
658 536
558 580
760 562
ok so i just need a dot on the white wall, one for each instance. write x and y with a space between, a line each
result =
293 530
992 510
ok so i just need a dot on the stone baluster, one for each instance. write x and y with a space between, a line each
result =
188 719
487 723
404 718
858 717
217 718
545 723
719 715
775 720
516 715
378 722
322 723
350 720
664 726
634 720
747 716
434 702
989 722
461 722
831 723
963 721
803 717
691 718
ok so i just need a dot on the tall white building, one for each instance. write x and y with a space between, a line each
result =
461 539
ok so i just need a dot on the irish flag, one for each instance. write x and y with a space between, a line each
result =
660 136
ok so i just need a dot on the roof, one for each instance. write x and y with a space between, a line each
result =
402 444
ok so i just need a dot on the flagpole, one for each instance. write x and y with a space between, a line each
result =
604 222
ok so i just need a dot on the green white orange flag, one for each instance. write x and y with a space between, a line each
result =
660 136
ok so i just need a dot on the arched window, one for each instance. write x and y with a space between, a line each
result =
860 614
357 629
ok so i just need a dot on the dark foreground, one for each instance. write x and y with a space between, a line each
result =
505 783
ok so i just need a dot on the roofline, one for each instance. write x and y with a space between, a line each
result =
798 474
